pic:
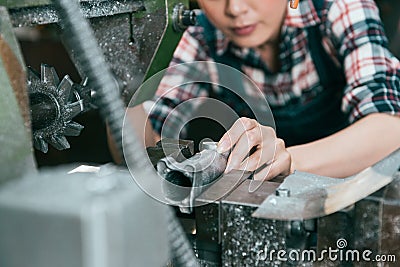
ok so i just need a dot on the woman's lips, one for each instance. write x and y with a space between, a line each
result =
246 30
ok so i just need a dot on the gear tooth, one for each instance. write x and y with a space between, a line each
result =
32 75
84 81
40 144
73 129
65 88
59 142
74 109
49 75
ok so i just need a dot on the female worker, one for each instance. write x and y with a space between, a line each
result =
325 69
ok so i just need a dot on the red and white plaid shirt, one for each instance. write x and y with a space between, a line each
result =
353 33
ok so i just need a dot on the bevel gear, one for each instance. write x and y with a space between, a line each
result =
53 105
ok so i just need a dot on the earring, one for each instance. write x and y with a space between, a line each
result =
294 3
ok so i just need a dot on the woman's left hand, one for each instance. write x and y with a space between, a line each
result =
269 157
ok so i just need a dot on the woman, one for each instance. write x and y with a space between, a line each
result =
327 62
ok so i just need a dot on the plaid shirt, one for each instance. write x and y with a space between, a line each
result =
352 34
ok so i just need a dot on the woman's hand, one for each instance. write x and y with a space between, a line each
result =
269 157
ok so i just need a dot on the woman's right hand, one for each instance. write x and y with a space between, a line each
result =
269 157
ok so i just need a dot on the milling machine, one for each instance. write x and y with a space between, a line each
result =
90 216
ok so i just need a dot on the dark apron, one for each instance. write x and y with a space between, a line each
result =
299 122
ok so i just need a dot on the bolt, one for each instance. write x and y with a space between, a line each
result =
282 192
182 18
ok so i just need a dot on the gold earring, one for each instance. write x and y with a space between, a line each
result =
294 3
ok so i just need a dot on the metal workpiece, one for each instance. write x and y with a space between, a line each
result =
180 149
53 105
224 186
16 157
81 219
187 179
313 196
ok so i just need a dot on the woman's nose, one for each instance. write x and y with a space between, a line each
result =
236 7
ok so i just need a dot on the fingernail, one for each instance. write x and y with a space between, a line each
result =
228 169
223 146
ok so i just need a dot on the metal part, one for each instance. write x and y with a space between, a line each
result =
81 219
53 105
313 196
183 17
16 157
166 147
282 192
29 13
185 180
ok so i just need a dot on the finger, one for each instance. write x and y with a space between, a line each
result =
264 155
265 152
280 166
246 142
234 133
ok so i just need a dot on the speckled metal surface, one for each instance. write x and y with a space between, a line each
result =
45 14
244 238
128 42
130 32
226 227
208 217
249 241
122 43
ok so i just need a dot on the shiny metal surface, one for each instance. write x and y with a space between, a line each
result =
185 180
29 13
311 193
